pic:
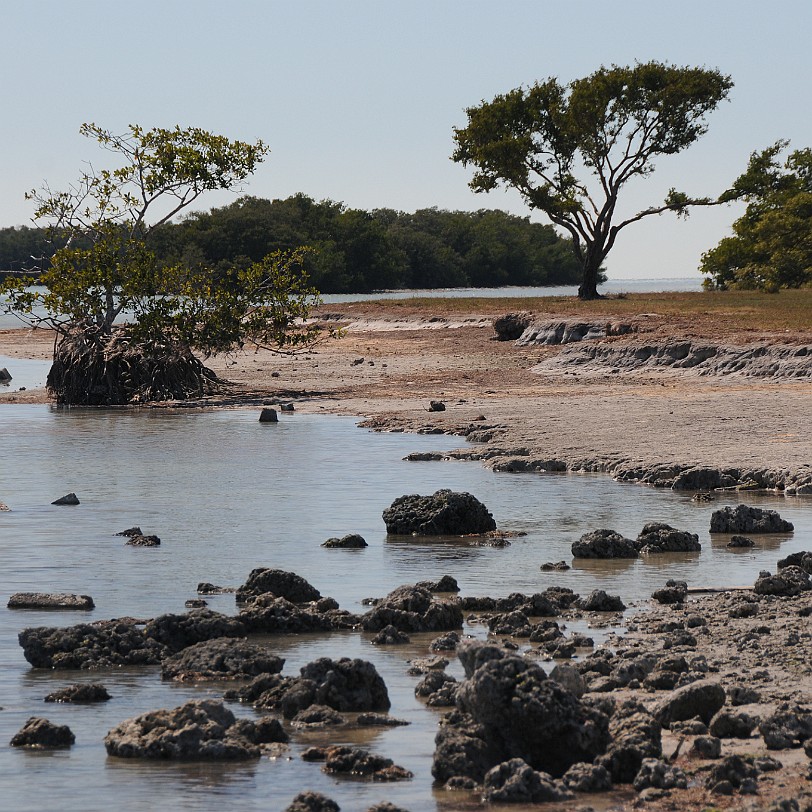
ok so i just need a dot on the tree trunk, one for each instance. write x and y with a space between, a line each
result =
589 283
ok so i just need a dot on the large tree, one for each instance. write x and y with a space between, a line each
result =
127 325
570 149
771 246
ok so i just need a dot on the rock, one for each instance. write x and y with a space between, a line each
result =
789 727
351 541
283 584
634 735
144 541
745 519
560 566
40 734
346 684
432 682
699 478
445 513
599 601
312 802
657 537
363 764
287 407
570 677
445 584
205 588
67 499
571 331
604 544
50 600
201 730
178 631
672 592
130 531
742 695
730 725
268 416
740 773
378 720
412 609
515 781
195 603
787 582
703 699
523 714
5 375
461 754
436 406
390 636
741 541
475 653
709 747
80 693
317 716
220 659
802 559
98 645
656 773
386 806
511 326
267 614
583 777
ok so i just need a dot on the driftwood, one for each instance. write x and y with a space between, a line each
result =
92 369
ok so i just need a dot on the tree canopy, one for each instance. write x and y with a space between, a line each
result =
570 149
105 270
771 246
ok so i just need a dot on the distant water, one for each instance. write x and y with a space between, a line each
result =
226 494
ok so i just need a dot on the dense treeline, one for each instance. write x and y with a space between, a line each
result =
355 251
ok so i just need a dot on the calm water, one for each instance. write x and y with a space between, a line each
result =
226 494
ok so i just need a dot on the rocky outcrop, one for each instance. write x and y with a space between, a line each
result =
352 541
746 519
201 730
283 584
358 763
511 326
444 513
790 726
570 331
657 537
267 614
49 600
635 735
515 781
40 734
599 601
67 499
178 631
413 609
787 582
604 544
80 693
703 699
140 540
223 658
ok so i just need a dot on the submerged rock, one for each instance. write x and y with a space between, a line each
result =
746 519
604 544
413 609
352 541
80 692
515 781
312 802
283 584
220 659
50 600
657 537
40 734
360 763
67 499
140 540
444 513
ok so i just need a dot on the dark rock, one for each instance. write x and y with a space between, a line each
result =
599 601
178 631
709 747
672 592
475 653
50 600
445 584
144 541
689 727
729 725
130 531
787 582
657 537
268 614
220 659
523 714
195 603
732 769
346 684
699 479
412 609
363 764
205 588
511 326
317 716
560 566
742 541
67 499
604 544
744 609
656 773
287 407
436 406
583 777
802 559
312 802
461 754
703 699
379 720
268 416
445 513
386 806
446 642
80 692
5 375
283 584
515 781
390 636
99 645
743 695
635 735
352 541
789 727
201 730
40 734
746 519
570 677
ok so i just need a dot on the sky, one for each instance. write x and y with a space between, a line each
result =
357 99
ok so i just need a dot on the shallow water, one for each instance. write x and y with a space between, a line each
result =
226 494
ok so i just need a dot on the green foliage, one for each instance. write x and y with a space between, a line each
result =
569 150
771 246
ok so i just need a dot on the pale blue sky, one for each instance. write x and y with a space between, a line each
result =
357 99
